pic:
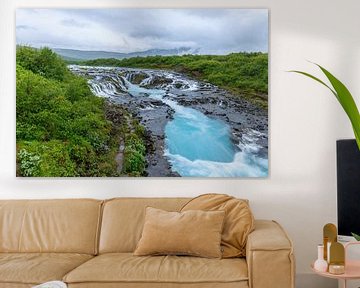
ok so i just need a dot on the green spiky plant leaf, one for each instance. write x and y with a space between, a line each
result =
344 97
356 236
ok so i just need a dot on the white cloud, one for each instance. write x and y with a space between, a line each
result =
216 31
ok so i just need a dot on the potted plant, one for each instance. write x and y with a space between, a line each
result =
346 100
344 97
357 237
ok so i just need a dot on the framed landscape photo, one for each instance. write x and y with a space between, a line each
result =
142 92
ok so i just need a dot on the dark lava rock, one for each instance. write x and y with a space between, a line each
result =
157 81
137 78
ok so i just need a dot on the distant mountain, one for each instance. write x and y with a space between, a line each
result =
71 54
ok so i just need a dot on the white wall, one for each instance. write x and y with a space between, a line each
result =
305 120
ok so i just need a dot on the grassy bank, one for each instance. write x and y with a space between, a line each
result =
62 129
244 74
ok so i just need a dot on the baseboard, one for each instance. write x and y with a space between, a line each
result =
309 280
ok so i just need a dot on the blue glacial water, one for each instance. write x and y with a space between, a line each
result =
196 137
199 146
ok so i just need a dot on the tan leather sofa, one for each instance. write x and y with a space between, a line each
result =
89 243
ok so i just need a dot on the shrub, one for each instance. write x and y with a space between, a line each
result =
42 61
61 128
29 163
45 159
134 156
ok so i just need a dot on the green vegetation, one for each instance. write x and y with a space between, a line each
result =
343 95
133 137
134 153
244 74
356 236
62 129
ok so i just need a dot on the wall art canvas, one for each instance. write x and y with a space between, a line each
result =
142 92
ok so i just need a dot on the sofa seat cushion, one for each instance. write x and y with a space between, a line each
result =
36 268
127 268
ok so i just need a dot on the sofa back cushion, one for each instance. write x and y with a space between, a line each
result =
66 226
123 220
238 224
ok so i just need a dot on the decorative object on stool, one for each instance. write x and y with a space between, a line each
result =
320 264
340 266
337 258
333 251
329 236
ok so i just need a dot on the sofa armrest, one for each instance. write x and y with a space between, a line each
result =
269 256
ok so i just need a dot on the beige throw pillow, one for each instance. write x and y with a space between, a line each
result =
239 220
196 233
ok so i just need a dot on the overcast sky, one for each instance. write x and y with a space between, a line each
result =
212 31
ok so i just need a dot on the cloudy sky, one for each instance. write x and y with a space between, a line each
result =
212 31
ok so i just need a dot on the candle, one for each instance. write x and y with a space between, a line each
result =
336 269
